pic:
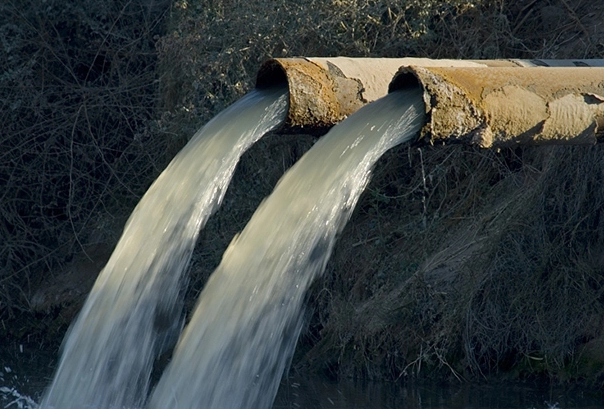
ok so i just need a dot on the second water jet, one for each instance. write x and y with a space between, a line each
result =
242 334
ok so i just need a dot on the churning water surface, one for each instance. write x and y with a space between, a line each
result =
21 392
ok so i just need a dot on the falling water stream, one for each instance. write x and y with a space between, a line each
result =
242 334
133 309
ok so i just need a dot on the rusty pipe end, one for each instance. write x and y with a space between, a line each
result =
314 93
324 91
406 78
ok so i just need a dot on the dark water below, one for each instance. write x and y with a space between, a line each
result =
325 394
23 376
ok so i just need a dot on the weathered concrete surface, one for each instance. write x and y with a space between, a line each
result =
504 106
324 91
560 63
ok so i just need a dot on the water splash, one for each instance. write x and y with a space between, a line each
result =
133 307
15 399
10 396
248 318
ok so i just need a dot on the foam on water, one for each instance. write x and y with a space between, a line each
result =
11 397
133 308
243 332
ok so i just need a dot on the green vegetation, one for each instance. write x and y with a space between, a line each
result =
458 262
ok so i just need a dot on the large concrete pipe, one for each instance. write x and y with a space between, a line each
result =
503 106
324 91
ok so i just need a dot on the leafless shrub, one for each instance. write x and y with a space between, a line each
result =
78 143
502 273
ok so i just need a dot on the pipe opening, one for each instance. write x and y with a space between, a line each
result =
404 79
270 74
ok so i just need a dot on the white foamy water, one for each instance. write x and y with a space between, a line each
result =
243 332
134 307
11 398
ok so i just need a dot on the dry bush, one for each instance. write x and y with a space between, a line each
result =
553 29
79 141
540 289
499 273
377 316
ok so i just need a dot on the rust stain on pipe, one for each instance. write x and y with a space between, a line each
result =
313 98
324 91
504 106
